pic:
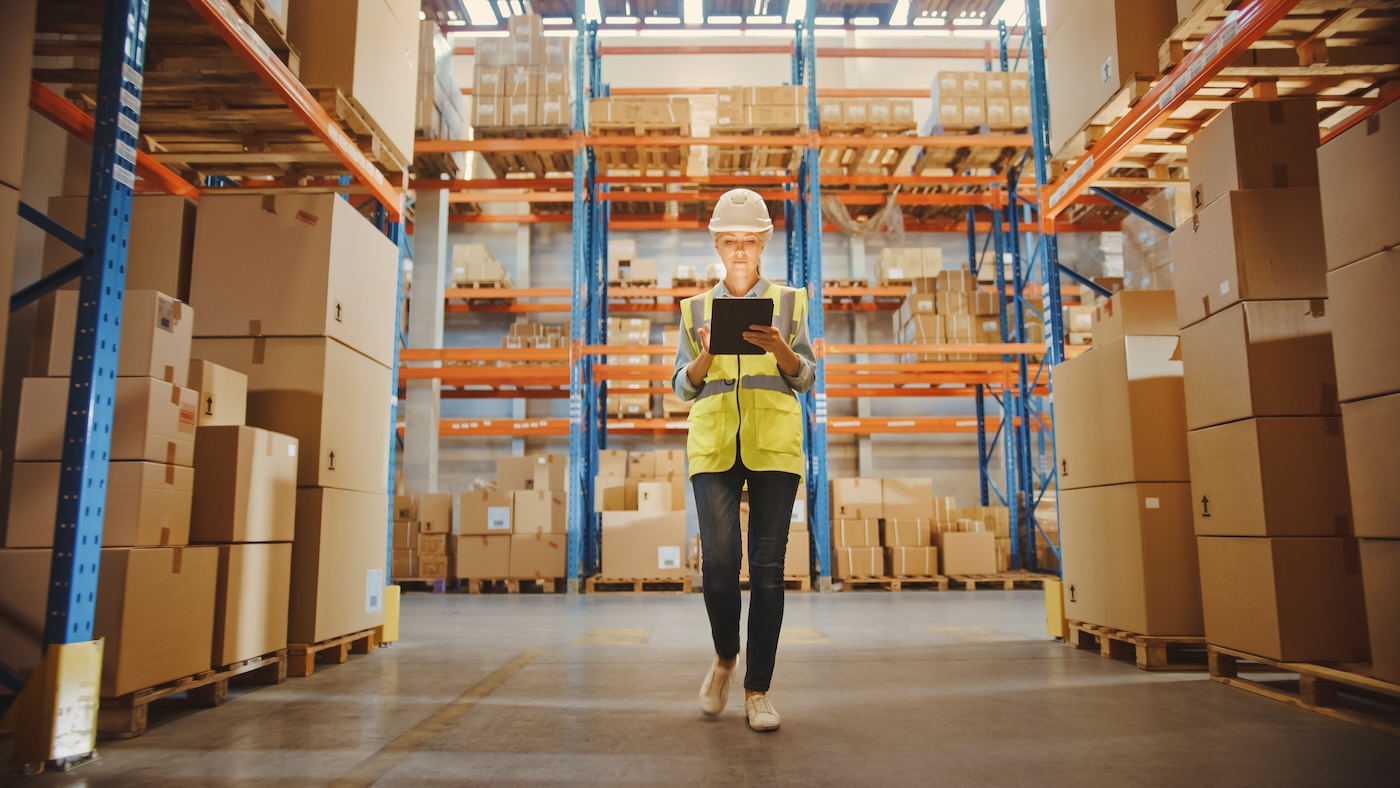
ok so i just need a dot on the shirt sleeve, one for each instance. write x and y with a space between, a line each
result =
807 368
680 382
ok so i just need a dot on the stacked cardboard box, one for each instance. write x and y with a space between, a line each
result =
524 334
783 107
422 528
637 116
1123 478
441 114
1000 101
902 266
17 44
633 331
642 499
474 265
519 530
297 293
625 268
896 526
948 308
876 115
1357 173
1268 465
524 79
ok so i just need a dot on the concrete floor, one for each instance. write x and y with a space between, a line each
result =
874 688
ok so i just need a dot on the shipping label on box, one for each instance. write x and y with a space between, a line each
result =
155 336
639 545
485 513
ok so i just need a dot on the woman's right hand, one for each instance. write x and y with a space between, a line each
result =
705 338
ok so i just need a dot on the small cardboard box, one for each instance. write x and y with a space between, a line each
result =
642 465
148 505
797 560
482 557
1255 145
1360 181
968 553
515 473
1373 452
996 84
250 601
643 545
405 508
907 533
670 463
612 462
485 513
1366 326
432 565
974 83
435 513
551 472
245 486
855 533
153 421
906 499
912 561
405 536
654 497
432 544
856 499
1135 313
155 336
974 111
538 555
539 511
859 562
223 394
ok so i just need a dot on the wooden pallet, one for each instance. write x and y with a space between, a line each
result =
497 585
929 583
536 163
758 159
125 717
437 585
1180 652
948 161
649 585
641 156
1318 27
302 657
1007 581
272 29
790 583
1347 695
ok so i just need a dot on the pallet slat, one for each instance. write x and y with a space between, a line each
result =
1148 652
1327 690
302 657
501 585
646 585
126 716
1007 581
929 583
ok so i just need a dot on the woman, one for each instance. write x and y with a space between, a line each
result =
745 428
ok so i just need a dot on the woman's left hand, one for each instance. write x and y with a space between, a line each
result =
766 337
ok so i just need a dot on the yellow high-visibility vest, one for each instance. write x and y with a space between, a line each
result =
746 396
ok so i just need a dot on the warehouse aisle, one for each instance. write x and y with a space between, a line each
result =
875 689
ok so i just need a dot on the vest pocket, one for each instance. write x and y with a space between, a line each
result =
706 434
779 424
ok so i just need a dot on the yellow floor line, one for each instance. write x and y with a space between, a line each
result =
614 637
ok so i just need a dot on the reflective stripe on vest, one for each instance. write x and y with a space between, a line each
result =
767 383
713 387
785 323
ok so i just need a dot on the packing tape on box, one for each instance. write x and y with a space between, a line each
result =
1317 307
164 537
170 453
259 348
255 328
169 377
1341 525
1280 176
170 474
177 560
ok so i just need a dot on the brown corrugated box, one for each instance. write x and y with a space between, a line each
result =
1366 325
1372 429
1288 599
1359 175
485 513
856 499
1261 145
515 473
1380 574
912 561
551 472
435 513
797 559
1259 358
906 533
967 553
855 533
1270 477
539 511
148 505
337 564
856 562
153 421
612 462
250 601
245 486
906 499
643 545
223 394
482 557
1135 313
538 555
405 508
159 246
155 336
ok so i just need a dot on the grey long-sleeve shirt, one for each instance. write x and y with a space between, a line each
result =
801 383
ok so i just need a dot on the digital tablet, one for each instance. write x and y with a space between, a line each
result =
731 317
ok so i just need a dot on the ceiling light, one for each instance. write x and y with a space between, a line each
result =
622 20
831 21
688 33
927 21
456 23
764 20
797 9
724 20
662 20
617 32
968 22
694 12
558 20
491 34
865 21
480 12
900 15
976 33
565 33
503 7
592 9
516 7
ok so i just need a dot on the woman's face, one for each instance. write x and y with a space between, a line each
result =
740 253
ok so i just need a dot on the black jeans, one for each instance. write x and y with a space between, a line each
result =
771 496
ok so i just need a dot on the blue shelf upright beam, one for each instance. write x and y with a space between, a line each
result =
87 436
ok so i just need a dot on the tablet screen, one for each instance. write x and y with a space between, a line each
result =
731 317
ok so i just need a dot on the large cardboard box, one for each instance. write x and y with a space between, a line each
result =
368 49
1270 477
1259 358
1380 574
1120 414
334 401
245 487
968 553
303 265
1256 245
405 508
912 561
435 513
797 559
640 545
1256 145
906 498
612 462
857 562
670 462
1130 558
485 513
24 580
1288 599
541 511
551 472
855 533
223 394
159 247
1373 453
17 50
250 601
405 536
538 555
153 421
148 505
515 473
155 336
1095 49
155 609
857 499
1135 313
1359 175
1366 325
337 564
907 533
482 557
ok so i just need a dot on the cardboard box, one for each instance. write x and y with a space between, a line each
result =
1270 477
223 394
153 421
482 557
671 462
245 486
250 601
1259 358
1079 319
1259 145
1120 414
405 536
319 391
643 545
912 561
1288 599
486 513
1263 245
1373 452
727 97
488 81
296 265
1135 313
24 578
1359 176
337 564
17 42
974 111
1020 113
554 110
159 246
996 84
551 472
654 497
520 111
612 462
906 533
155 336
538 555
907 498
367 48
1366 325
435 513
950 110
432 544
1130 558
610 494
405 508
950 84
155 609
515 473
857 499
974 84
1380 574
432 565
858 562
541 511
148 505
856 111
797 559
967 553
489 110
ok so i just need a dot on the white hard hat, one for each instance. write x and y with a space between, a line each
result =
741 211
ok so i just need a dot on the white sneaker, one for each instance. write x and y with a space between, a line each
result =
762 715
714 693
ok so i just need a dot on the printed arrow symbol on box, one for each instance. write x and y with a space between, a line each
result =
209 406
1205 506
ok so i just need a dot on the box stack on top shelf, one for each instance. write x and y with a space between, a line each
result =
422 528
947 308
1123 479
1359 177
473 265
641 496
997 100
441 113
626 268
519 531
298 293
523 81
1268 464
757 111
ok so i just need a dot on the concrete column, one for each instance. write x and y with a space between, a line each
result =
423 407
865 455
520 408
